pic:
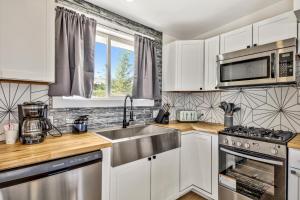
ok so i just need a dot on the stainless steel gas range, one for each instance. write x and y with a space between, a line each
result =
253 163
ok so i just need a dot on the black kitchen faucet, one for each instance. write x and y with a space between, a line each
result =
125 123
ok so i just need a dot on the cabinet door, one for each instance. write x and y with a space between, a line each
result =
190 65
203 158
188 165
212 49
237 39
169 69
296 5
165 175
27 40
131 181
294 184
196 161
281 27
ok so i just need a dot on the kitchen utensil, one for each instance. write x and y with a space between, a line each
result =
228 120
236 109
163 114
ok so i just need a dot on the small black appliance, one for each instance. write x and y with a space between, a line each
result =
80 125
163 115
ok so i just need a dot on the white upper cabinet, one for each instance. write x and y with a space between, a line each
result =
169 67
190 65
27 40
280 27
236 40
296 4
183 66
212 49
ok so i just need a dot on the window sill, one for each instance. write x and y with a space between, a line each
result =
77 102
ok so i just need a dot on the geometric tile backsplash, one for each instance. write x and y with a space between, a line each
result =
12 94
273 107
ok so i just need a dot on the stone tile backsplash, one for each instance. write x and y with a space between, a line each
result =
12 94
274 107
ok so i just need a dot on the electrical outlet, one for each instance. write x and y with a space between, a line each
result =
155 113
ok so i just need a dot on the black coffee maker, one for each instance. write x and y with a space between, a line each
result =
33 122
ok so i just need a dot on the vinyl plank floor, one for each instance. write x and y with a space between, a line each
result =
191 196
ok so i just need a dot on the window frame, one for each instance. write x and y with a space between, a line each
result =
108 80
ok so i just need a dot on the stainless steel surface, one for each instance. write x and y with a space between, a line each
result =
82 183
227 194
276 150
259 49
269 161
272 51
137 142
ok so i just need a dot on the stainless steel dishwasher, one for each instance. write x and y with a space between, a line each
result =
73 178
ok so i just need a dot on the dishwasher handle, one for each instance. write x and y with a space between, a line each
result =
49 168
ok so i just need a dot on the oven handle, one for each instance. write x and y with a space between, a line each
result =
273 162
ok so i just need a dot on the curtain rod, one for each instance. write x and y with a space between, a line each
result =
86 11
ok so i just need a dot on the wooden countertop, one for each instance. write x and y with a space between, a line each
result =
199 126
17 155
295 142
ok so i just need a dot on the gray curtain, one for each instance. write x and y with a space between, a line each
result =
75 37
145 82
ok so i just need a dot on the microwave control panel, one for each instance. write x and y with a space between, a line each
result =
286 64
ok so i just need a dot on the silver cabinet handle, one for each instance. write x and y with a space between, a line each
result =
273 162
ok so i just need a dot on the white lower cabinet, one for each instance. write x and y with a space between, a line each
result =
131 181
294 184
155 179
294 175
165 175
199 163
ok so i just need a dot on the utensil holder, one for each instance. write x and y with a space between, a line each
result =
228 120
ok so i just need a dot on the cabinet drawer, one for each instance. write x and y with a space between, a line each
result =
294 158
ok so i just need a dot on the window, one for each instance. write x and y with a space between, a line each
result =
114 62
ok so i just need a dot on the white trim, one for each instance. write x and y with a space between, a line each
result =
79 102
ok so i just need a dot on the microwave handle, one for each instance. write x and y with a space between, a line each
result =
273 65
272 162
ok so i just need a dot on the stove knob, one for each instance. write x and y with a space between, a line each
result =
239 144
274 151
233 142
226 141
247 145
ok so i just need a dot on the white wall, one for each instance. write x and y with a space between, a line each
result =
270 11
168 38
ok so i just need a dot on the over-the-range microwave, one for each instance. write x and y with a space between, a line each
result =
273 63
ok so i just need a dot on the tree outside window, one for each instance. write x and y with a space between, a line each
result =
114 60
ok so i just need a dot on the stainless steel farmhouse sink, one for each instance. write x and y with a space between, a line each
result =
140 141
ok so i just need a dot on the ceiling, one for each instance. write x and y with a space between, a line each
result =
184 19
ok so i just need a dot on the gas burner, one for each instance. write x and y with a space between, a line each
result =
276 136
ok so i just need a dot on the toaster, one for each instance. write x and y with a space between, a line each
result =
187 116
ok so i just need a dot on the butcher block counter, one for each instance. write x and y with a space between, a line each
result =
295 142
18 155
198 126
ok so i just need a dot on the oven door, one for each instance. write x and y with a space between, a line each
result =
245 176
248 70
